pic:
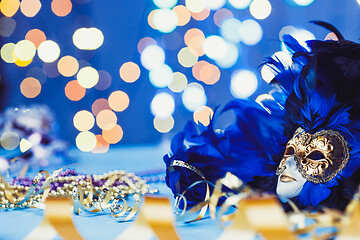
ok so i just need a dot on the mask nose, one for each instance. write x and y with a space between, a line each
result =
290 163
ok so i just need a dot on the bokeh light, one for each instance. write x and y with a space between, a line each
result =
145 42
51 69
88 38
30 87
183 15
302 35
243 83
87 77
186 58
171 41
83 120
162 105
215 4
221 15
163 125
251 32
194 38
195 5
194 96
48 51
74 91
36 36
240 4
106 119
129 72
151 18
9 7
101 145
165 3
38 73
86 141
200 16
7 52
165 20
152 56
9 140
210 74
113 135
304 3
231 56
260 9
203 115
104 80
61 8
24 50
267 73
215 47
161 76
99 105
178 82
68 66
30 7
230 30
118 101
7 26
25 145
20 63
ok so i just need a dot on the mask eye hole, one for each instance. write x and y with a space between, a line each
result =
289 151
316 155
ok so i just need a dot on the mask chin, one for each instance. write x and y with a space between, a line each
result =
290 182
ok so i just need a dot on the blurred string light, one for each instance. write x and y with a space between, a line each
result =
74 91
215 4
200 16
230 30
163 125
206 72
178 82
129 72
165 3
186 57
48 51
358 1
30 7
162 105
113 135
7 26
144 43
87 77
86 141
260 9
152 56
7 52
104 80
251 32
118 101
101 145
183 15
9 140
88 38
30 87
24 50
36 36
194 38
203 115
83 120
243 83
61 8
165 20
160 76
194 96
106 119
231 56
9 7
68 66
221 15
240 4
99 105
195 6
304 3
215 47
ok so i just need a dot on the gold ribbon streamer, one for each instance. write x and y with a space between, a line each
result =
156 217
57 218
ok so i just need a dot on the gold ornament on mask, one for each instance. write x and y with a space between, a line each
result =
319 157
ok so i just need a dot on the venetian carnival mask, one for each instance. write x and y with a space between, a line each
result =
317 158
